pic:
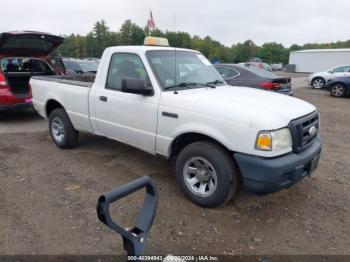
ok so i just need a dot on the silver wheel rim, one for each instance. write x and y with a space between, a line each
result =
200 177
337 90
57 129
318 83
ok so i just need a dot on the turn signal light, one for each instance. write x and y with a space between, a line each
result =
264 142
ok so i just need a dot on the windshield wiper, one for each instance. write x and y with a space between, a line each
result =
183 84
213 84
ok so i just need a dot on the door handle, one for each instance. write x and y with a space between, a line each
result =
103 98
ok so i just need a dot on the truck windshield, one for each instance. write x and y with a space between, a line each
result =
185 70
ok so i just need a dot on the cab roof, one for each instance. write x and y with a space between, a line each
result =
147 48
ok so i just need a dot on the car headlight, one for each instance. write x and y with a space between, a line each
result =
273 140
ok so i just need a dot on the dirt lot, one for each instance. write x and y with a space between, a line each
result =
48 197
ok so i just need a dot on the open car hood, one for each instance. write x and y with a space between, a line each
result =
28 43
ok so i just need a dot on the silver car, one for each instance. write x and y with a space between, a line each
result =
319 80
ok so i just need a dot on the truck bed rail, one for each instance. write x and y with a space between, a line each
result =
69 80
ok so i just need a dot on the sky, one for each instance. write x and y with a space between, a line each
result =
228 21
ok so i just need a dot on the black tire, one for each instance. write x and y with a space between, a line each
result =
224 168
318 83
338 90
70 135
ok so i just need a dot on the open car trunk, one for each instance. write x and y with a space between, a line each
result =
18 72
28 44
19 85
25 54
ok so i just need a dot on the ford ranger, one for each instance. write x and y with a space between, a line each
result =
173 103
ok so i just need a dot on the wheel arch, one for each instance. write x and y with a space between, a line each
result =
184 139
51 105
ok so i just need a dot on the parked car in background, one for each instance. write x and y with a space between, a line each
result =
252 76
97 60
80 66
277 67
339 86
260 65
24 54
319 80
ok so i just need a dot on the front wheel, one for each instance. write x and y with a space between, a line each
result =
206 174
318 83
338 90
61 129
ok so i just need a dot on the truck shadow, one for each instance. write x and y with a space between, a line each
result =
116 155
21 121
19 115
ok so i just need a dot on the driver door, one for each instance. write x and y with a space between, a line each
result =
126 117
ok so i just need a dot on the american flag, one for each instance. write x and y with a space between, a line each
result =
150 23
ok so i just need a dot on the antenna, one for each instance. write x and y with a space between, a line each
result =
175 92
174 20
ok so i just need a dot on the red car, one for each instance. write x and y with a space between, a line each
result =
24 54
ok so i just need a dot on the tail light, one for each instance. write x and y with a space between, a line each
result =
269 85
4 88
3 82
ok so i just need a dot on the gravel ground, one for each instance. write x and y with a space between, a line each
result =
48 197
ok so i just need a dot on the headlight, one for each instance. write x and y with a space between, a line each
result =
273 140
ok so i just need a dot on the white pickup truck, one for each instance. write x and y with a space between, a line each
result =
173 103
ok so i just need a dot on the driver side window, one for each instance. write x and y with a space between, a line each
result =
125 66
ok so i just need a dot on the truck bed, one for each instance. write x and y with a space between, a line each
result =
77 80
71 93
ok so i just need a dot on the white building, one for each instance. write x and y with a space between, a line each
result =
317 60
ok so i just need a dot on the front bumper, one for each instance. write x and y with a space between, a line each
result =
267 175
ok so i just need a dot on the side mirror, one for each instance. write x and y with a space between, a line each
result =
136 86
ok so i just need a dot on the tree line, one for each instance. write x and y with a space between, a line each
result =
101 36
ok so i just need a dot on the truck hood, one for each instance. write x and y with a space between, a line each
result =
240 104
28 43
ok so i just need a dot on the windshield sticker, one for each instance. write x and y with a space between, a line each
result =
204 60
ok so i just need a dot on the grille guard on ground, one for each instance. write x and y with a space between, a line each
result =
136 237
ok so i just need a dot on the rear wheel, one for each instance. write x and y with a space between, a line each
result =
318 83
338 90
61 129
206 174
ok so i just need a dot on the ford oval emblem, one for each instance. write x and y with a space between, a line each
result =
313 131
